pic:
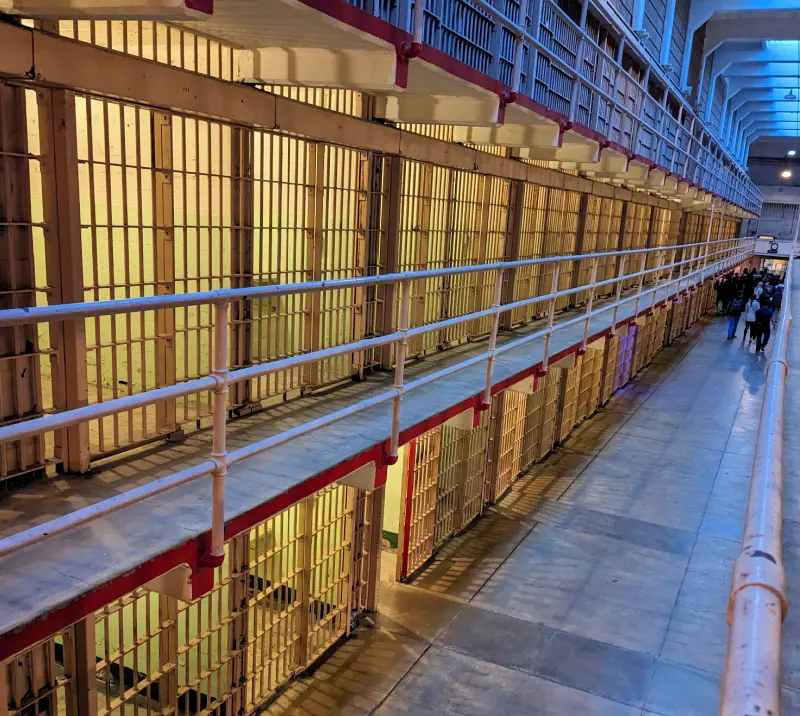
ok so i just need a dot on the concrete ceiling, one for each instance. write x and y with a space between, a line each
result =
752 51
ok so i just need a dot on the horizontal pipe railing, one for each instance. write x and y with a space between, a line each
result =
751 679
221 377
66 311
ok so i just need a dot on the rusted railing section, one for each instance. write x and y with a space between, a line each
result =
757 605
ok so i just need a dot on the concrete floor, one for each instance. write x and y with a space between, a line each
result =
599 584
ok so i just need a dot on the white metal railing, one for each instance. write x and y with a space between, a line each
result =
690 270
751 678
679 149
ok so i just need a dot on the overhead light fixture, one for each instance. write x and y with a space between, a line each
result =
791 152
786 174
791 97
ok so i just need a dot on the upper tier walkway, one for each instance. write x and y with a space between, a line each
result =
116 552
599 584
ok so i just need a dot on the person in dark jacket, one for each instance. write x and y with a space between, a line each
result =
777 298
765 321
734 314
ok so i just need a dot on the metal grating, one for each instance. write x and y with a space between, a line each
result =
568 415
418 508
27 358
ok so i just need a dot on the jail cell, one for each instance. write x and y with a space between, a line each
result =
608 384
635 235
418 502
468 241
659 237
560 239
492 242
589 383
659 330
28 361
531 246
622 373
644 330
462 463
550 387
425 215
157 41
41 680
568 400
532 431
590 238
507 429
442 490
676 318
710 296
609 234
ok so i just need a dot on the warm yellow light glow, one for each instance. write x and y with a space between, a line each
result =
786 174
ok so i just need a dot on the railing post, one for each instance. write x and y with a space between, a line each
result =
399 373
618 295
550 317
219 453
498 297
589 305
642 267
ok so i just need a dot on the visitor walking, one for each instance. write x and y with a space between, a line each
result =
750 309
734 314
765 321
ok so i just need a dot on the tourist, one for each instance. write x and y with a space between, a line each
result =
734 314
750 309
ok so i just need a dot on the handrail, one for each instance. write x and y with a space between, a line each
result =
757 604
66 311
221 378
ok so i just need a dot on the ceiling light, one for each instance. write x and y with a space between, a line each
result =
786 174
791 97
791 152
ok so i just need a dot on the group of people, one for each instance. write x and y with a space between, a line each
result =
756 295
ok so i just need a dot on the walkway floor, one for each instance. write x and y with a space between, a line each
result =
599 584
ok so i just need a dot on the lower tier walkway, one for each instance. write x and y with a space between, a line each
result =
599 584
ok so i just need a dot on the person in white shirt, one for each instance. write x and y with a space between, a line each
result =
750 309
759 290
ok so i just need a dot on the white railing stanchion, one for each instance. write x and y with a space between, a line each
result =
642 267
620 275
498 297
550 318
399 372
589 305
219 453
